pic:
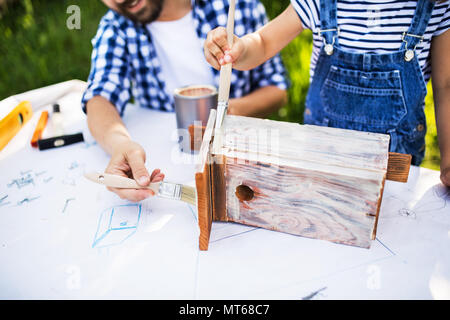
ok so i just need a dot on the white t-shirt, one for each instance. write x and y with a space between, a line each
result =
180 52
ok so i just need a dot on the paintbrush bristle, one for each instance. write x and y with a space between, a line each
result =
189 195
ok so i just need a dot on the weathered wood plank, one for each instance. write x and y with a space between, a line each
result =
204 206
398 167
311 181
307 203
203 185
196 136
308 145
218 185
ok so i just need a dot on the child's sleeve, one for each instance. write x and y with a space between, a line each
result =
444 25
305 9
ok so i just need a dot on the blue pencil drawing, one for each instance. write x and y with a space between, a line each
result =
27 200
25 180
75 171
37 174
3 202
28 178
73 165
116 225
47 180
67 203
87 145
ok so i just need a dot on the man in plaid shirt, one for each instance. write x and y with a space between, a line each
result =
146 48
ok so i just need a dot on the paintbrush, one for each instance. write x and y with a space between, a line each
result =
162 189
225 72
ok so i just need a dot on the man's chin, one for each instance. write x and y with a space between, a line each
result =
139 17
145 15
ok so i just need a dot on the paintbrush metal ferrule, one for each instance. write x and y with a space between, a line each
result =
222 108
170 190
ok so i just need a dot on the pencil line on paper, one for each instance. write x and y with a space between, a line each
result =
313 294
387 248
233 235
192 211
21 202
67 202
2 203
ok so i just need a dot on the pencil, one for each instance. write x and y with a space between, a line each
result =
39 129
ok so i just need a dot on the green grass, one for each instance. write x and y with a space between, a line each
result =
432 155
37 49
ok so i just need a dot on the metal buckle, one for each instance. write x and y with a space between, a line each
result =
328 47
409 54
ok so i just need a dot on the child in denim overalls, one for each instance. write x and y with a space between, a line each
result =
377 92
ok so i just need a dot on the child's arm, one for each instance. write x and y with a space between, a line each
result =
440 75
253 49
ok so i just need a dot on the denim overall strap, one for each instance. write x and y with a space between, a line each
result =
328 22
419 23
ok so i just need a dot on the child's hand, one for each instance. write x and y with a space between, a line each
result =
445 176
217 51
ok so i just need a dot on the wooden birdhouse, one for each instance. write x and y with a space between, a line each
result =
316 182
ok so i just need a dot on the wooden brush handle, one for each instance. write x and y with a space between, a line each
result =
115 181
225 71
230 23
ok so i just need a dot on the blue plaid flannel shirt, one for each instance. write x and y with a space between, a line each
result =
125 63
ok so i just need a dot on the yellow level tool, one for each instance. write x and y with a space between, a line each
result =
14 121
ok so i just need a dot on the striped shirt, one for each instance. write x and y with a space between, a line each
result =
374 26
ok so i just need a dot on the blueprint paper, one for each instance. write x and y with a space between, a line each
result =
64 237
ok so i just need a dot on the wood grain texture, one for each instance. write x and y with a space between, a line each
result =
218 185
311 147
316 182
204 206
380 198
196 136
398 167
203 185
308 203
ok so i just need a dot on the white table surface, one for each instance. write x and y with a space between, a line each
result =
55 243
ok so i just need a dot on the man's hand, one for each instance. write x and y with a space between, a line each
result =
127 157
128 160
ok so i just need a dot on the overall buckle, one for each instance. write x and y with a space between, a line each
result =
409 54
328 47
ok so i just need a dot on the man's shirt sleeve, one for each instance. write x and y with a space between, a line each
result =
110 70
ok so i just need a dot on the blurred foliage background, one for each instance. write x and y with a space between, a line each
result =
37 49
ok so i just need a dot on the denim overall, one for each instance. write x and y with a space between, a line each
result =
381 93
